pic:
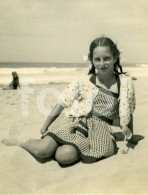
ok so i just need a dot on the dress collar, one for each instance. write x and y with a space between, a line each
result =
93 81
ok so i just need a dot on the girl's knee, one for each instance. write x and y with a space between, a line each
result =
47 147
66 154
44 152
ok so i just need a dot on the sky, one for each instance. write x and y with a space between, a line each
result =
62 30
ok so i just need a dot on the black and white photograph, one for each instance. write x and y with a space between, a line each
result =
73 96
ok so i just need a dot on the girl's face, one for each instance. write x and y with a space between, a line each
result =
103 60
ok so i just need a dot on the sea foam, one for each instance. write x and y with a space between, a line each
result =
47 75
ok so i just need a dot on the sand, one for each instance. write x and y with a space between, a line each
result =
23 174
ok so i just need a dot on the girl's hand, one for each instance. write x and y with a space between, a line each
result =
124 148
127 133
43 131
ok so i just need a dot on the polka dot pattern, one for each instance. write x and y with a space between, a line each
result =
127 100
78 98
79 124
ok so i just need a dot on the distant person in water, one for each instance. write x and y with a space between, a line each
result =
15 82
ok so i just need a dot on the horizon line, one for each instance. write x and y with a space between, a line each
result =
1 62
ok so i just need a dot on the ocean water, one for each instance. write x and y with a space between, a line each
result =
45 73
56 65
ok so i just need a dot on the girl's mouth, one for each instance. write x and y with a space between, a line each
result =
103 67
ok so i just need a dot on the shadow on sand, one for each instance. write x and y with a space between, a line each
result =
118 136
132 142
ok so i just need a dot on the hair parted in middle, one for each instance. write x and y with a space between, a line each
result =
105 42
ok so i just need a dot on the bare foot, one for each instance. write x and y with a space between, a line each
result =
124 148
10 142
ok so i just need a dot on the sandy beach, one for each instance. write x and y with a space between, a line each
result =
23 174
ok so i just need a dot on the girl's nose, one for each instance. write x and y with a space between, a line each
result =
102 62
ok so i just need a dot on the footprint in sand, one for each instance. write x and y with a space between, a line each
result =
13 103
26 123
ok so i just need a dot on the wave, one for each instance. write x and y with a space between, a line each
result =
59 75
142 65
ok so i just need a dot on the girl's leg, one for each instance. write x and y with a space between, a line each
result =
66 154
40 148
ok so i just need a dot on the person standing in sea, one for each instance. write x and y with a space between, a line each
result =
80 125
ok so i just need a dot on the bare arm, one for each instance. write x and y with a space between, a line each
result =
130 125
116 123
52 116
128 132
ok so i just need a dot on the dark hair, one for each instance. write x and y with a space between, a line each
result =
104 41
15 82
14 74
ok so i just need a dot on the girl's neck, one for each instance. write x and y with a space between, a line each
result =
105 78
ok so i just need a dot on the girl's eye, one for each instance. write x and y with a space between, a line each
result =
97 59
107 59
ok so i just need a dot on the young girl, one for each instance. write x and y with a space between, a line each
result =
80 125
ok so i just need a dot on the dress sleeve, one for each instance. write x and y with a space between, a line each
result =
69 94
131 95
127 100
